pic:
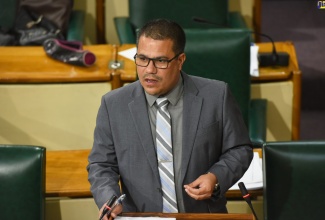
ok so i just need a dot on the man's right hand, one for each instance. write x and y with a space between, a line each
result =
116 211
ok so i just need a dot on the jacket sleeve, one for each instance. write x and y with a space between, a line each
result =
103 172
236 150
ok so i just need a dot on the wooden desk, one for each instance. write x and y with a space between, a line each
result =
66 175
277 73
27 65
273 75
32 65
49 103
187 216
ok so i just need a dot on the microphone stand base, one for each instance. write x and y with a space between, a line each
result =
271 59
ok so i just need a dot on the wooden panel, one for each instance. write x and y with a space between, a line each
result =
66 174
32 65
277 73
59 116
100 22
187 216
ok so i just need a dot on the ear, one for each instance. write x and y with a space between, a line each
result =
181 60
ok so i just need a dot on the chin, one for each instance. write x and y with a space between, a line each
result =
152 91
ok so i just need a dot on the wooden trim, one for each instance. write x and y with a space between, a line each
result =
100 22
66 175
189 216
296 79
30 64
116 79
257 19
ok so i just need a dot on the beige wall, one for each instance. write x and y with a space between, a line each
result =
62 116
56 116
279 97
116 8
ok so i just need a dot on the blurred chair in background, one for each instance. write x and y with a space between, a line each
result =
100 22
22 182
224 54
294 180
8 11
75 30
181 11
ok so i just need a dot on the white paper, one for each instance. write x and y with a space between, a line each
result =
129 53
253 178
254 61
143 218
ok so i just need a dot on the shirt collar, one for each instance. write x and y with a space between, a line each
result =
173 96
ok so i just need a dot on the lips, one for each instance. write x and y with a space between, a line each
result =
150 80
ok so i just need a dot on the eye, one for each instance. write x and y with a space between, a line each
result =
142 58
161 61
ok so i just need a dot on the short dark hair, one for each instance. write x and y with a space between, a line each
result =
162 29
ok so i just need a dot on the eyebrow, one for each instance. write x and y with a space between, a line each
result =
159 57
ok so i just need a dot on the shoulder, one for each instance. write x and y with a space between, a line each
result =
124 93
205 85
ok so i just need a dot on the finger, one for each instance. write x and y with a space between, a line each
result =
105 217
100 213
195 184
198 193
198 190
194 196
116 211
197 196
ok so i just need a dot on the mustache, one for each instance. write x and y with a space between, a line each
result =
151 76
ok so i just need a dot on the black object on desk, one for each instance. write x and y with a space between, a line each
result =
108 206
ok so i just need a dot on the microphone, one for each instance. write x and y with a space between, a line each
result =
246 196
265 59
202 20
274 58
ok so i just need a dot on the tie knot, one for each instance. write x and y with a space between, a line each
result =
162 102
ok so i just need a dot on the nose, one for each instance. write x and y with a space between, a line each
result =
151 68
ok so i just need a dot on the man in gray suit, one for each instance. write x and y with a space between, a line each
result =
211 148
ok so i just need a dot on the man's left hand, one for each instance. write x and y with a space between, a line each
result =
202 187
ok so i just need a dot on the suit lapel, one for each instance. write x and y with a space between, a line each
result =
139 112
192 106
191 102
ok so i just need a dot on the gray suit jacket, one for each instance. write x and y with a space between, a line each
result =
215 139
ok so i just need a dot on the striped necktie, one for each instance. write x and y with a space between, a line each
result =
165 156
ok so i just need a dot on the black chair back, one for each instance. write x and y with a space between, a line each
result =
22 182
222 54
294 176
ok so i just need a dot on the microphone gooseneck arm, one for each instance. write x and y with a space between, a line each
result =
204 21
246 196
275 56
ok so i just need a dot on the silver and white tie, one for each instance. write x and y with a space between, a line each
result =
165 156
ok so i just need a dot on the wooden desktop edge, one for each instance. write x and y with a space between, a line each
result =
230 195
62 183
186 216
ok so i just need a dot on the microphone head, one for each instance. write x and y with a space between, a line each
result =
246 196
197 19
243 189
204 21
